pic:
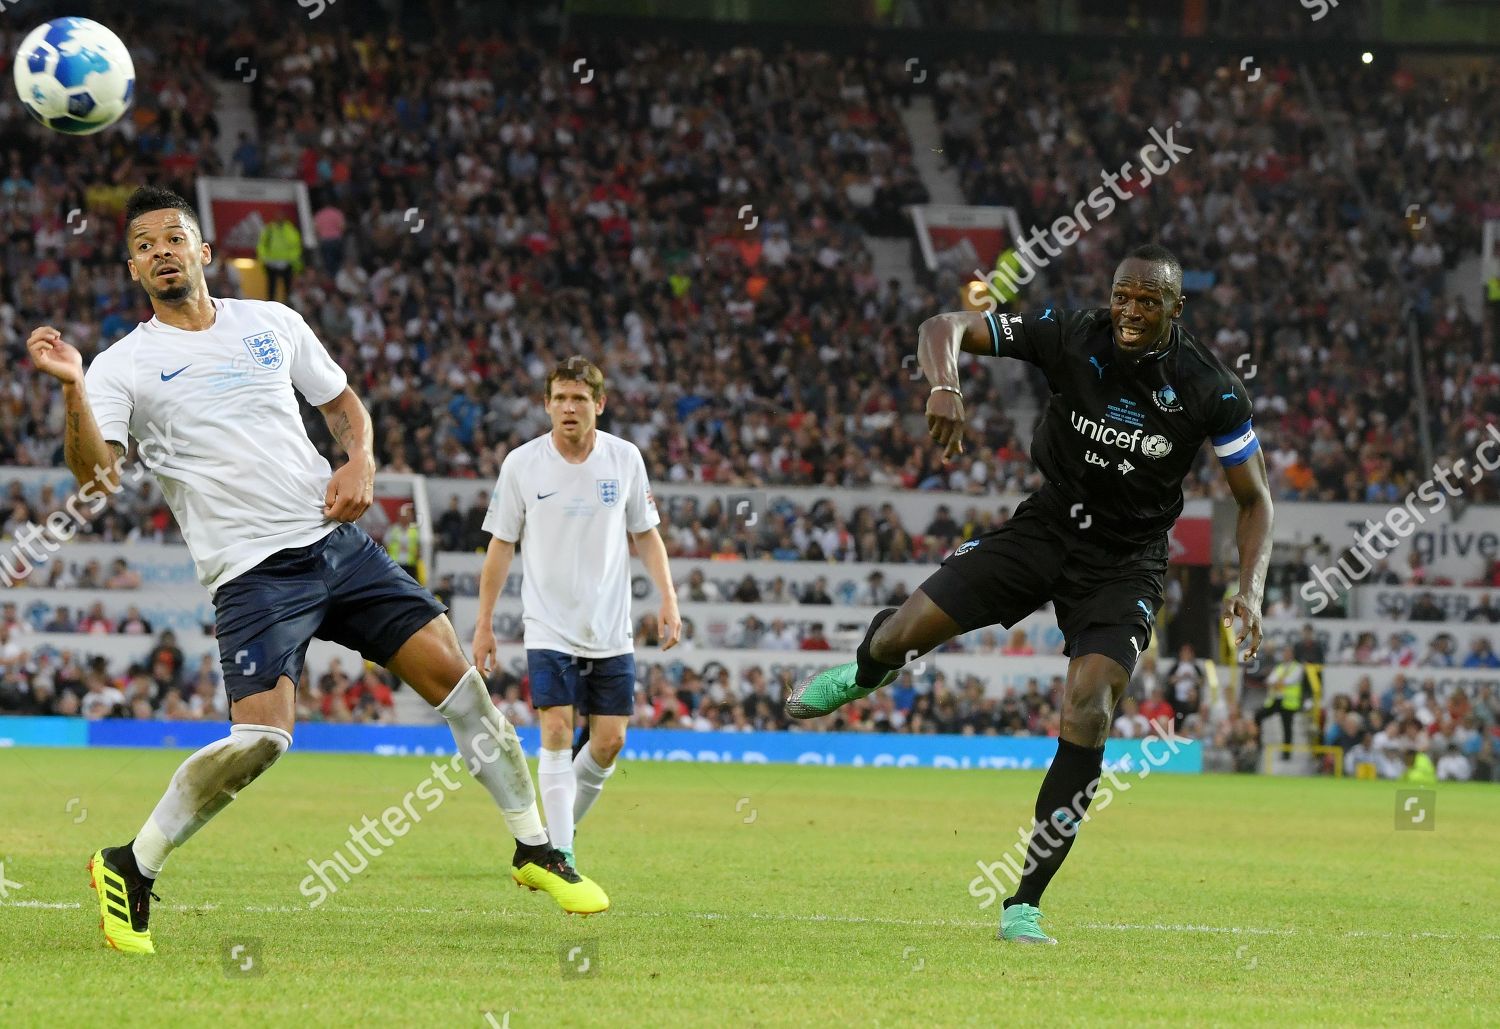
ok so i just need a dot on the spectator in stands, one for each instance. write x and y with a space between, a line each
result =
1365 650
1308 648
747 592
1483 611
874 592
1399 651
122 576
1344 732
1131 724
1441 653
1426 609
698 589
133 624
1362 753
450 526
816 592
444 590
751 633
1481 654
943 530
1185 683
166 657
96 621
101 699
1158 711
475 538
815 640
12 621
61 621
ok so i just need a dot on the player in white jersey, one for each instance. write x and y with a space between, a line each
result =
206 387
573 499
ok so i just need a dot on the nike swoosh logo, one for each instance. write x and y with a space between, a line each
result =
167 378
544 496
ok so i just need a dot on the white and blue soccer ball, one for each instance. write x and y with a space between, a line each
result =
75 76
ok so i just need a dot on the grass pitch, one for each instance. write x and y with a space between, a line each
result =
755 895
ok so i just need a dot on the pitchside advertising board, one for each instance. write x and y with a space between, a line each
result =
1340 634
1345 680
1395 602
1457 548
847 750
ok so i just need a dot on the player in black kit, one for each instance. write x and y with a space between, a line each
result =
1134 397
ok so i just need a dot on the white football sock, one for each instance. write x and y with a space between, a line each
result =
492 753
590 777
555 770
203 786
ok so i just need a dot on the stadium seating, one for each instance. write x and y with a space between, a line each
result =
768 362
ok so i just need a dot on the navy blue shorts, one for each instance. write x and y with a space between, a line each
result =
1106 600
594 685
344 588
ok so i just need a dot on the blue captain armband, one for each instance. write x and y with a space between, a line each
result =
1236 446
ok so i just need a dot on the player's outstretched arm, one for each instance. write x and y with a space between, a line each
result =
492 578
654 556
1247 481
351 491
939 340
89 457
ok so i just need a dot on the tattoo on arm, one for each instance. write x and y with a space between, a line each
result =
343 430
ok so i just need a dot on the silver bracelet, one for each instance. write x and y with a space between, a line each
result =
950 389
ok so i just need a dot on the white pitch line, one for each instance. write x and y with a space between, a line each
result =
56 906
717 916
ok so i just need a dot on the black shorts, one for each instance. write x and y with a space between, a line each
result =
1106 600
344 588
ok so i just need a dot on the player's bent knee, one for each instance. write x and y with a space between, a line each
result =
606 749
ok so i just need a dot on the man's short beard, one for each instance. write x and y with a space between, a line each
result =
172 294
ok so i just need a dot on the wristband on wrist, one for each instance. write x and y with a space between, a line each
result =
950 389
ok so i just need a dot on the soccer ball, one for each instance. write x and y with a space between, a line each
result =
74 75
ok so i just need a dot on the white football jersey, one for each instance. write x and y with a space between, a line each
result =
571 521
220 428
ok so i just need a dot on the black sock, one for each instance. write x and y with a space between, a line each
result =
1067 790
125 858
871 672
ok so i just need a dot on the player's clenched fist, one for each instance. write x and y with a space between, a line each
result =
51 354
945 421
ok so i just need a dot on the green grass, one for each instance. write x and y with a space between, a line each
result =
842 900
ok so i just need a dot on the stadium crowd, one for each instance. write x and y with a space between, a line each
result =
1298 275
697 223
602 218
597 217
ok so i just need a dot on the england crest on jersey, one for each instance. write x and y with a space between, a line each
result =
265 350
609 491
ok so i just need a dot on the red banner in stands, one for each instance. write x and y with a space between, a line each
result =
234 211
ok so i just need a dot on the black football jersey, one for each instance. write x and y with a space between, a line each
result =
1117 438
